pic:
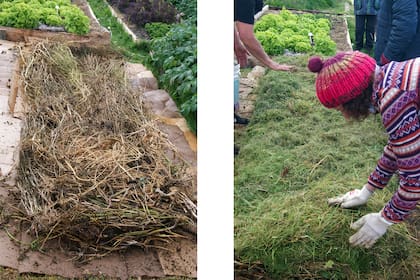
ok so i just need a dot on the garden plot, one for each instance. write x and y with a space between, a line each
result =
294 155
97 35
158 122
40 173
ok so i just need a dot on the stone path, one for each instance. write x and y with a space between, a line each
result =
247 95
340 33
10 124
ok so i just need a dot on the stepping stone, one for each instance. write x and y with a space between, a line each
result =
9 142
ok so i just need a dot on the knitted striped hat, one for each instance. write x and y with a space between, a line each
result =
341 77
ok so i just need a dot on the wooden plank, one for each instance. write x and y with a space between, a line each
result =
93 39
14 87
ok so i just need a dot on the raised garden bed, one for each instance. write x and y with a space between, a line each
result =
96 37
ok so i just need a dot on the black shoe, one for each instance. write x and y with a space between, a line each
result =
235 150
240 120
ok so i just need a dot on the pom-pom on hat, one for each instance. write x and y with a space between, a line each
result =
342 77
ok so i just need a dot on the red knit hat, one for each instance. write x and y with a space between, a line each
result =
341 77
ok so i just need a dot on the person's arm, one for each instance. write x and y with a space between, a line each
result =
399 111
247 37
402 124
240 51
403 30
385 168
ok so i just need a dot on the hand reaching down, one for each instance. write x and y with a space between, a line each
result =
352 198
370 228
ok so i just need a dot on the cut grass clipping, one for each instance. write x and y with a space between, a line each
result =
294 155
94 168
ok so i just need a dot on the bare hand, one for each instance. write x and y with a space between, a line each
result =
281 67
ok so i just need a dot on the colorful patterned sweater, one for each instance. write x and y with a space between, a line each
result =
396 96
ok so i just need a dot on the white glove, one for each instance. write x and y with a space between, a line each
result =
352 198
371 227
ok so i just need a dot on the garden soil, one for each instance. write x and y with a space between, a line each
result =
175 258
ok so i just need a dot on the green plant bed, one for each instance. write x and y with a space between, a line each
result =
305 33
295 155
31 14
174 62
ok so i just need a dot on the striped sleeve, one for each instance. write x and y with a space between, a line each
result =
399 107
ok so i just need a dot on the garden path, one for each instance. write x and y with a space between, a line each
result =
10 124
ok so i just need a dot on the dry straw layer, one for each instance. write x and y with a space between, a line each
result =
94 168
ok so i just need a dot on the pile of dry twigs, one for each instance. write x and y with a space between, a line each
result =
94 167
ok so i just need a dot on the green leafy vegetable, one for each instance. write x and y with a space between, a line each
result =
285 30
32 13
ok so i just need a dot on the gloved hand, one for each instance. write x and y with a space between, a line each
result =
371 227
352 198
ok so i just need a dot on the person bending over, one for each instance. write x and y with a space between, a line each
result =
352 83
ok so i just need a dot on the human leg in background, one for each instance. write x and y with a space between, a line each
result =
370 33
359 32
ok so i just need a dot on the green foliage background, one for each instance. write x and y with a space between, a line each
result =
174 60
157 29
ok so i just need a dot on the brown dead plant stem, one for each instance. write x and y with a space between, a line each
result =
94 168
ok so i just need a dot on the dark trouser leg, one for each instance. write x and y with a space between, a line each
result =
359 32
370 31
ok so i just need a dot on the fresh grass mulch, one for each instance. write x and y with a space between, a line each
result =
294 155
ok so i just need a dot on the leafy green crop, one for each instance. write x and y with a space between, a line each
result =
285 30
187 7
20 15
75 21
174 60
271 41
157 29
32 13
